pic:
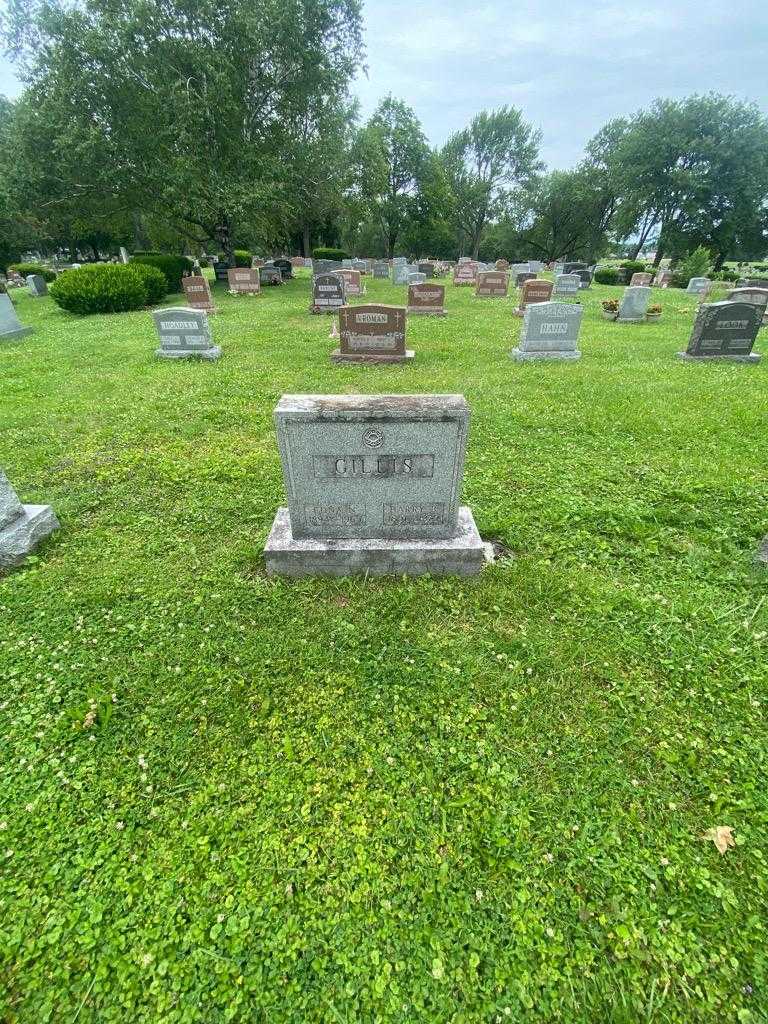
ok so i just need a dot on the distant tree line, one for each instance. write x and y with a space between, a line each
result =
218 124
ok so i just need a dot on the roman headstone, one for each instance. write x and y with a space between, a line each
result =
244 281
352 282
373 485
426 299
270 275
22 527
634 304
184 334
327 293
567 284
663 279
197 292
10 327
37 286
550 331
381 270
533 291
755 296
492 284
641 280
724 330
698 286
522 277
371 334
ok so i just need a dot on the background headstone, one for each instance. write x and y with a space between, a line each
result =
197 292
380 270
634 303
522 276
327 293
567 284
426 299
37 286
698 286
464 273
492 284
724 330
550 331
663 279
270 275
244 281
641 280
184 334
533 290
10 327
755 296
353 284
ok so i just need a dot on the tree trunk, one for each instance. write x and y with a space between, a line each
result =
224 240
658 257
719 261
305 241
140 240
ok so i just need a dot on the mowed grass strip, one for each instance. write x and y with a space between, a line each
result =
230 797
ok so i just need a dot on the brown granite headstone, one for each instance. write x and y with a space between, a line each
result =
533 290
352 283
502 264
663 279
197 292
244 281
426 299
492 284
641 280
464 274
372 333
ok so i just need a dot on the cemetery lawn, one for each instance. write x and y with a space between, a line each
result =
420 800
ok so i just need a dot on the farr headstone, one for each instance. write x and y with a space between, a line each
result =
197 292
327 293
220 271
492 284
567 284
533 291
634 304
10 326
373 485
550 331
641 280
244 281
184 334
724 330
22 527
426 299
372 333
36 286
286 269
698 286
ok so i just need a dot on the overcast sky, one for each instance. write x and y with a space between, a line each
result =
570 66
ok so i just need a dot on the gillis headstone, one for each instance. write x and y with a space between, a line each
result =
533 291
22 527
243 281
492 284
724 330
197 292
184 334
550 331
373 485
10 327
327 293
371 334
634 304
426 299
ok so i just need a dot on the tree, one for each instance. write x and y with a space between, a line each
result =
572 211
487 165
391 156
185 109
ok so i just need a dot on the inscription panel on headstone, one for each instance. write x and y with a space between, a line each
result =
376 466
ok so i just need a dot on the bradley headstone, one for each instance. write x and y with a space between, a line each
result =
426 299
327 293
567 284
724 330
197 292
372 334
533 291
184 334
550 331
492 284
634 303
243 281
36 286
22 527
373 485
10 327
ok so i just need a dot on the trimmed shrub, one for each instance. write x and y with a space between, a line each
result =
174 267
33 268
100 288
633 267
726 275
607 275
155 284
242 257
329 254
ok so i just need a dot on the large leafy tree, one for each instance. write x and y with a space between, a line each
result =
186 108
489 165
572 211
688 171
391 157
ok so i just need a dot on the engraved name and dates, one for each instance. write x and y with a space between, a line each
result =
411 513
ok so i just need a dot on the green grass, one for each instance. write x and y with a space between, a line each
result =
391 800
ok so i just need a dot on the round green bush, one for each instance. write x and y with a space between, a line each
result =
633 267
242 257
100 288
174 267
155 284
329 254
607 275
25 269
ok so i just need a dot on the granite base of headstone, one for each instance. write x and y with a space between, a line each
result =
550 331
22 527
184 334
373 485
724 331
10 326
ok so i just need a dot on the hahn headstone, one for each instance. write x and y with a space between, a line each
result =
641 280
327 293
464 273
698 286
755 296
270 276
373 485
550 331
381 270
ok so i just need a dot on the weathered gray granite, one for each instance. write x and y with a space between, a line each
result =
10 326
634 304
37 286
373 484
184 334
22 527
724 331
550 331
